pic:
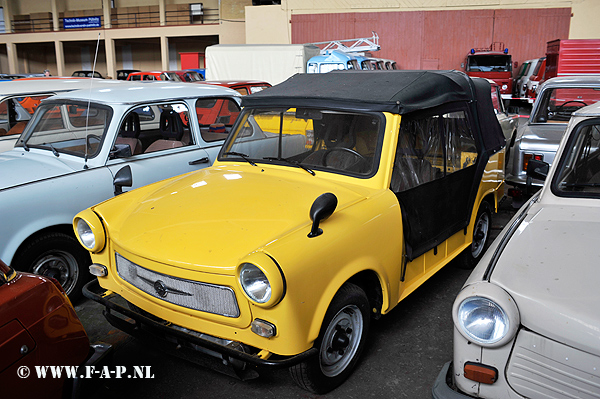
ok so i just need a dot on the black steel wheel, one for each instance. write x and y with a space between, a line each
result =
340 342
59 256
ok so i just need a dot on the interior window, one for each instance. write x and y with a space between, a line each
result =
157 127
460 143
216 117
16 112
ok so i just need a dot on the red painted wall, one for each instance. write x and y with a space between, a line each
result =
440 39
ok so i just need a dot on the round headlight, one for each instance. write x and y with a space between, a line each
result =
483 320
86 235
255 283
504 87
89 230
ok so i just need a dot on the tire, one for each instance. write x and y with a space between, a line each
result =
481 232
56 255
340 342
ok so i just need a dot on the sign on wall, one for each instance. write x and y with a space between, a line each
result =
81 22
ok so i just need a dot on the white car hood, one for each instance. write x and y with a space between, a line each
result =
551 267
20 167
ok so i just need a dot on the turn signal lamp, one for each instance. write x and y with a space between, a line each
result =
480 373
527 157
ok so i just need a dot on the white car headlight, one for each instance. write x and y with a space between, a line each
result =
84 231
255 283
486 314
483 320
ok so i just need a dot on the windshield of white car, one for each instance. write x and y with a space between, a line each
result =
71 128
332 141
557 104
578 173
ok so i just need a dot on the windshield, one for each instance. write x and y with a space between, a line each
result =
557 104
73 128
578 174
340 142
170 76
489 63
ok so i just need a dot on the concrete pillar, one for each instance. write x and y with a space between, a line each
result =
107 21
60 58
7 16
162 12
109 45
55 15
11 50
164 53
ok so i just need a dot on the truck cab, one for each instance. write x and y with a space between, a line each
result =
491 64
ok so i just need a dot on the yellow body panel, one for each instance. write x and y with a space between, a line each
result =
195 227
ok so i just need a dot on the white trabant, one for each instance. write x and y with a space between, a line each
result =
83 147
526 322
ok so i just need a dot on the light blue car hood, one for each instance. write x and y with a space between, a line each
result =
20 167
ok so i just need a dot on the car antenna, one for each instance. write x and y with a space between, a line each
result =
87 113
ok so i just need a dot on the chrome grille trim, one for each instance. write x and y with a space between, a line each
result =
191 294
542 368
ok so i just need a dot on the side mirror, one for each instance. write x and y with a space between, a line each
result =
537 169
120 151
320 210
123 178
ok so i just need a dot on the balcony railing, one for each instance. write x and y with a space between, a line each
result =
123 17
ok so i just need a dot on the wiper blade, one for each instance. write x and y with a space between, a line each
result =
243 156
293 163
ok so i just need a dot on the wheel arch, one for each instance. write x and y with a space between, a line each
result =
59 228
368 279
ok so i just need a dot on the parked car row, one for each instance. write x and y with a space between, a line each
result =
273 255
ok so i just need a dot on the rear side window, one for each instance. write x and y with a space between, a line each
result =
431 148
216 117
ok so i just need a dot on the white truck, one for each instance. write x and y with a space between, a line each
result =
272 63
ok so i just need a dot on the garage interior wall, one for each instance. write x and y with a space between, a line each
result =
414 40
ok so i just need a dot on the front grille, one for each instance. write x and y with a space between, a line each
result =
195 295
542 368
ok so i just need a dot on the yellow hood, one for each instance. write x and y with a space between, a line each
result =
214 217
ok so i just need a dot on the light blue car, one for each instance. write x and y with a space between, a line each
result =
86 146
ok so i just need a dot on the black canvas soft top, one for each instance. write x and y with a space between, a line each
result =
397 91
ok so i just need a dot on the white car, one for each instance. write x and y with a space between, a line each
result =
520 86
20 98
83 147
526 322
539 138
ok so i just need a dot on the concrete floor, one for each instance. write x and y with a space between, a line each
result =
405 351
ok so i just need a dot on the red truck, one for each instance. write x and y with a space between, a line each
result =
572 57
492 63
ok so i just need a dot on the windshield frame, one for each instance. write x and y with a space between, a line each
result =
246 112
37 116
566 154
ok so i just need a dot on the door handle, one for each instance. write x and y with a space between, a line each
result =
199 161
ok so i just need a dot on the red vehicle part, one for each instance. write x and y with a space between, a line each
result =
38 327
572 57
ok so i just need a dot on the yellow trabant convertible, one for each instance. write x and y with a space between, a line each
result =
281 252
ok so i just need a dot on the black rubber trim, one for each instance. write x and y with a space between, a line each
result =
92 290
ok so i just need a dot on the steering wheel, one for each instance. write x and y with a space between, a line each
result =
568 102
359 157
90 137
